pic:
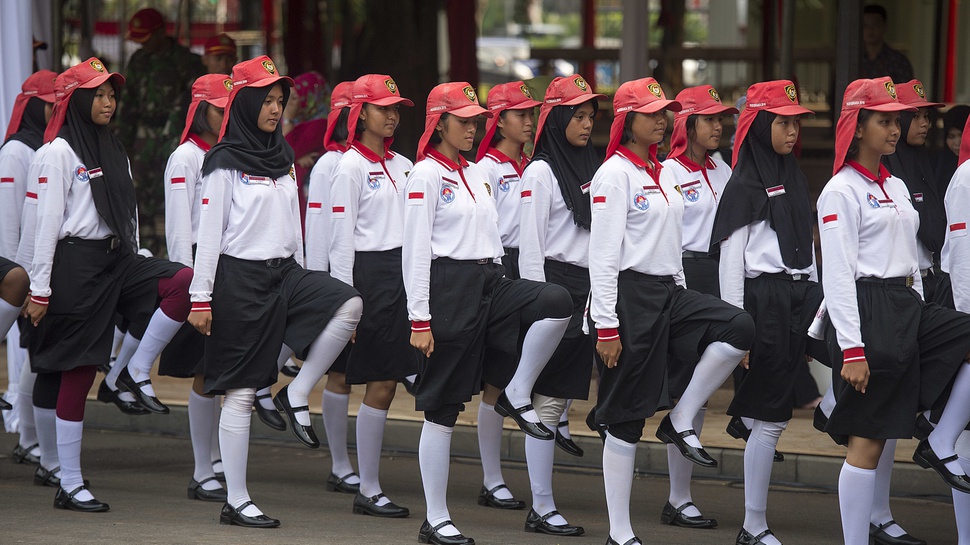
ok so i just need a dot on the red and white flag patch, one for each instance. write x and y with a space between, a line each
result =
775 191
525 196
339 212
6 182
178 183
830 221
315 207
415 198
205 204
958 229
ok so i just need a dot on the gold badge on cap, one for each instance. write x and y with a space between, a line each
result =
525 91
391 86
713 92
655 90
97 65
891 89
470 93
581 83
791 93
228 84
269 66
919 90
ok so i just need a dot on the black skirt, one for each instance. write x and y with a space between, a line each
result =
184 354
782 310
568 373
937 289
6 266
382 350
256 307
702 275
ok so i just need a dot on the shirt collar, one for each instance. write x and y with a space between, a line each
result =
500 157
693 167
446 162
868 175
625 152
370 155
202 144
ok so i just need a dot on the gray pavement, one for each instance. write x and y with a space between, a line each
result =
144 477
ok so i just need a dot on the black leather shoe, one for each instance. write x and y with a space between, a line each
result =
879 535
427 534
923 427
303 433
196 492
105 368
22 455
540 525
667 434
220 475
745 537
632 541
593 426
738 430
107 395
232 515
927 459
536 429
368 506
819 420
676 517
290 369
339 484
270 417
486 498
65 500
566 444
4 405
43 477
125 382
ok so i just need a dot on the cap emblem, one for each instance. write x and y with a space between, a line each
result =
581 83
269 66
525 91
470 93
97 66
655 90
391 86
919 90
713 92
791 93
228 84
891 89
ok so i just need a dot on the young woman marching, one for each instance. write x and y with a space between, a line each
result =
763 230
462 309
336 394
85 269
501 156
250 279
700 178
899 353
639 307
553 247
367 232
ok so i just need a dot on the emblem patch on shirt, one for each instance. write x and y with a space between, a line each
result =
81 174
488 187
447 194
692 194
249 179
775 191
958 229
525 196
641 202
374 180
918 197
292 173
830 221
872 200
505 182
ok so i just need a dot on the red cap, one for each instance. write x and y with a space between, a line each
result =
340 98
700 100
514 95
965 144
913 94
878 95
143 23
777 96
258 72
220 44
640 95
40 84
376 89
457 98
564 91
211 88
89 74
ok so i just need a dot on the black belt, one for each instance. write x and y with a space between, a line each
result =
109 244
631 274
801 277
696 255
275 262
511 251
448 260
905 281
566 268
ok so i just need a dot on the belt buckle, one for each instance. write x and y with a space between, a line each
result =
114 244
797 277
274 263
910 281
483 261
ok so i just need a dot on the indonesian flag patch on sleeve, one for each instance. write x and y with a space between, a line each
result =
599 202
775 191
415 198
525 196
830 221
958 229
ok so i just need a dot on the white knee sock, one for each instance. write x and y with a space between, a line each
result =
324 349
828 402
117 338
434 458
953 420
881 512
25 407
335 408
16 358
855 503
128 346
715 366
540 342
216 452
681 469
490 449
539 456
8 315
564 421
370 440
618 461
759 453
160 331
961 501
69 436
46 422
202 425
234 425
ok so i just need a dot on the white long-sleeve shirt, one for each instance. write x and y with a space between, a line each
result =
183 197
701 188
955 256
868 229
448 213
246 217
546 226
28 217
504 177
318 212
637 225
15 157
367 207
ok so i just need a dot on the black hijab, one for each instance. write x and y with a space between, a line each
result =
32 125
244 146
912 165
96 145
746 200
573 167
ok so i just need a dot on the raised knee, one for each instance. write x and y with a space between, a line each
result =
741 331
15 286
555 302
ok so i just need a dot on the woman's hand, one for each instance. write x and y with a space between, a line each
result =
609 352
856 374
202 321
34 312
745 362
423 341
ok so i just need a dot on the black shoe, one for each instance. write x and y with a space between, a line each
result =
368 506
738 430
667 434
593 426
536 429
923 427
290 369
539 525
43 477
196 492
270 417
232 515
4 405
427 534
486 498
632 541
878 533
745 537
339 484
125 382
220 475
107 395
927 459
820 420
303 433
566 444
65 500
676 517
22 455
105 368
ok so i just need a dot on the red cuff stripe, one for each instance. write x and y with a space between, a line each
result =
607 334
201 307
420 326
958 226
38 300
830 217
853 355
